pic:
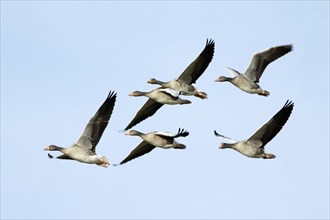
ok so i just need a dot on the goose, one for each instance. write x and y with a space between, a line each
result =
254 146
188 76
248 81
84 150
163 96
180 85
191 74
152 140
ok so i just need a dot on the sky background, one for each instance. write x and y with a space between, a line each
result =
60 59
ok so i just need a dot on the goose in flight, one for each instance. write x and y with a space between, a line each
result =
188 77
84 150
255 146
163 96
179 85
152 140
248 81
184 82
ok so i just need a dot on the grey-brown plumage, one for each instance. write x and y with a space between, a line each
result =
188 76
84 150
152 140
254 146
248 81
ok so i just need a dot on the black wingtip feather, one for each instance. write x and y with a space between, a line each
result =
210 42
112 94
287 108
182 133
289 47
288 104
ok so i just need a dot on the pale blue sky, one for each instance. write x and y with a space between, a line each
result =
60 59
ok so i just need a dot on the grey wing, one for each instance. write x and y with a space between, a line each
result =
147 110
97 124
261 60
141 149
269 130
233 72
223 137
199 65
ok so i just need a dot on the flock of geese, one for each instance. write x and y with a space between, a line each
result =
169 93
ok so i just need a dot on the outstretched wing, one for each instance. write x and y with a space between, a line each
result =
141 149
233 72
97 124
261 60
224 137
147 110
199 65
269 130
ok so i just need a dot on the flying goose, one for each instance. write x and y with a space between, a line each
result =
248 81
84 150
179 85
163 96
255 146
189 76
152 140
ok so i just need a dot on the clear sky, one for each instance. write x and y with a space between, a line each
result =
60 59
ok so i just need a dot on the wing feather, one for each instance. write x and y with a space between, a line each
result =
97 124
147 110
233 72
269 130
224 137
141 149
181 133
261 60
199 65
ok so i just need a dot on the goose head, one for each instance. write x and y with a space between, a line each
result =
137 93
184 101
263 93
154 81
225 145
133 133
268 156
53 148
